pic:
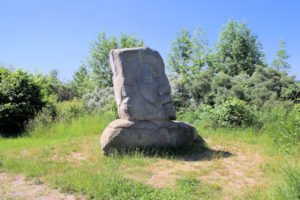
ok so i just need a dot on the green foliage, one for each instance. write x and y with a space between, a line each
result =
271 84
101 99
235 68
70 109
82 81
242 87
189 54
200 88
280 62
54 112
290 188
43 118
202 76
191 114
232 113
99 58
221 85
282 122
265 84
52 86
181 96
279 120
238 50
20 100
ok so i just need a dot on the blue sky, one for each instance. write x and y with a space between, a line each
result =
56 34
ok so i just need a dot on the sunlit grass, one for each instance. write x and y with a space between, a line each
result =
67 155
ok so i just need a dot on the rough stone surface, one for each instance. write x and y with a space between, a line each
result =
145 104
141 86
124 134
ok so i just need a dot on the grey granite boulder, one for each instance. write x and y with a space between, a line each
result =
125 135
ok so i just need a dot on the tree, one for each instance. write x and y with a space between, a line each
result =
51 85
221 86
82 82
242 87
271 84
188 56
20 100
188 53
238 50
99 58
280 62
200 88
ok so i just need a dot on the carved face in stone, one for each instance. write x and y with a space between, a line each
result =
141 86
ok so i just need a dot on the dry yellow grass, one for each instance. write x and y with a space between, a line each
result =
17 187
234 174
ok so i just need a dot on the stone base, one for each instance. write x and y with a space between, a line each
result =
125 135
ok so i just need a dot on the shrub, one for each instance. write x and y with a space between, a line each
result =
70 109
241 87
180 91
190 114
45 117
51 85
232 112
20 99
282 123
200 88
101 99
57 112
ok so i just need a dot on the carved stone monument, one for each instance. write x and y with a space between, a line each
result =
145 104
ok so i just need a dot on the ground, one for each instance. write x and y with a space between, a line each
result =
234 173
17 187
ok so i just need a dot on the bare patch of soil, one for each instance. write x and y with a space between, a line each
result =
16 187
73 157
232 174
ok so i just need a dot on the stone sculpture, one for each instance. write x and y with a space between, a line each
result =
145 104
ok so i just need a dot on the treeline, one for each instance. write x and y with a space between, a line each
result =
228 82
28 100
233 67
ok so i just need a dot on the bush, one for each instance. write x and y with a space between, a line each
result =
57 112
232 112
266 84
52 86
45 117
70 109
180 92
282 123
200 88
190 114
101 99
20 99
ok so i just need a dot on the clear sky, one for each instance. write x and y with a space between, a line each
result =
56 34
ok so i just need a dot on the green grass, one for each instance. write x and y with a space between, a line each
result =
290 187
67 155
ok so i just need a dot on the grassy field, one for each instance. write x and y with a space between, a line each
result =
237 164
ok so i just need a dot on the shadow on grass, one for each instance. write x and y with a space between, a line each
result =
195 152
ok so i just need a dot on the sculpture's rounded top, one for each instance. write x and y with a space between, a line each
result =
134 49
